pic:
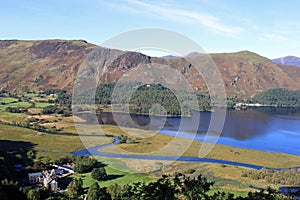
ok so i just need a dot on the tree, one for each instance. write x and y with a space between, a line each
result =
64 160
196 188
57 197
104 195
163 188
75 189
49 109
31 155
267 194
279 97
99 174
16 109
94 192
97 193
116 191
84 164
125 192
34 194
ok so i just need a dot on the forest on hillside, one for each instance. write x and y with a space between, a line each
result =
278 97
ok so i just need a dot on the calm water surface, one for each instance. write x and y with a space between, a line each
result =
267 129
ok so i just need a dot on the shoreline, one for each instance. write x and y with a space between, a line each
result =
238 108
94 151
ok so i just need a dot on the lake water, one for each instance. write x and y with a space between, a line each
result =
267 129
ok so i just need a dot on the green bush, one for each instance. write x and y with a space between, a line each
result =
99 174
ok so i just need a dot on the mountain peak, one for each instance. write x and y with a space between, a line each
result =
288 60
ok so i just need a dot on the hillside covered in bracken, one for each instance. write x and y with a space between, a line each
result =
48 64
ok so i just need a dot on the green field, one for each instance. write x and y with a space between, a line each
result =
55 145
117 177
19 104
8 100
17 117
42 104
31 95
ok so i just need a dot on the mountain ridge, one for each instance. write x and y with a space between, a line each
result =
35 65
288 60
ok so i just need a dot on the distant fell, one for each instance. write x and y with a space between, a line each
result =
288 60
169 56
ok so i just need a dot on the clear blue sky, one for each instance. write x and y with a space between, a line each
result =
269 28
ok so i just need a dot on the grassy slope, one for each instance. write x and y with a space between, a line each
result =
8 100
59 145
119 177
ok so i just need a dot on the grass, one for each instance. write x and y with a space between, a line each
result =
119 172
34 111
167 145
19 104
234 192
18 117
51 145
10 117
30 95
42 104
56 145
225 176
11 103
114 163
8 100
117 177
235 173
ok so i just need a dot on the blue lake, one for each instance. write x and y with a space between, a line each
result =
251 129
267 129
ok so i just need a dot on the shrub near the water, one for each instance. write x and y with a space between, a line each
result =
285 177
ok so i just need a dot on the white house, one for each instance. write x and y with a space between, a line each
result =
36 177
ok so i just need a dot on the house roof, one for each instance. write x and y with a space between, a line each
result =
35 174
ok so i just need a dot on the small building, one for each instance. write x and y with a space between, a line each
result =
35 178
47 178
53 186
50 180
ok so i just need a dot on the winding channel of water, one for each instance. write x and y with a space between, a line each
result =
94 151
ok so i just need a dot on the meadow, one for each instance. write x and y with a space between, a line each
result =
126 171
